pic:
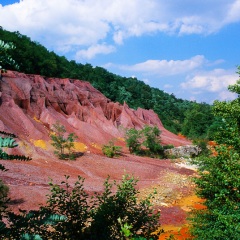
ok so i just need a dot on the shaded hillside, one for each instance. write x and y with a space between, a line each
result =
33 58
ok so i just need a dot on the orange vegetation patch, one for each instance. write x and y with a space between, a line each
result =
78 146
181 234
181 136
40 143
36 119
191 202
198 205
212 143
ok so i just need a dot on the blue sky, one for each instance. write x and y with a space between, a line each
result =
189 48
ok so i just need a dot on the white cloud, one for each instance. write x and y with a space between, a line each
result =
93 50
167 68
215 81
68 25
166 86
147 81
233 12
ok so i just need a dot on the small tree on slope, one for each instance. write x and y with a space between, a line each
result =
60 142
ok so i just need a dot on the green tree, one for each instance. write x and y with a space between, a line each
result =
70 145
148 137
123 205
61 142
70 213
111 150
34 58
197 120
133 138
3 202
5 57
152 139
58 139
218 182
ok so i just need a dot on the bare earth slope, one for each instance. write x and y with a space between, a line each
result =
31 104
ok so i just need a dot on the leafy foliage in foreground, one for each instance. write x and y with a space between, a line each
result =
71 214
7 142
218 182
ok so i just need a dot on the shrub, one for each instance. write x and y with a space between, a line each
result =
169 146
6 142
203 145
60 142
145 141
3 201
133 138
71 214
151 139
122 205
111 150
218 179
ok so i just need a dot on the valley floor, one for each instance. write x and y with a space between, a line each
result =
28 181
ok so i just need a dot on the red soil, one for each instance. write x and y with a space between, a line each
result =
31 104
28 181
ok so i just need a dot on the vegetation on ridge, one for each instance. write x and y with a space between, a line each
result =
192 119
68 214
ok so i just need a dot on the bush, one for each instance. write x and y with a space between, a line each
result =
151 139
3 198
203 145
145 141
71 214
122 205
60 142
111 150
133 138
169 146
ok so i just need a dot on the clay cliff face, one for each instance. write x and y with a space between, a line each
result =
31 104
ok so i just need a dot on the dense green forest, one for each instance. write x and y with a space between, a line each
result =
179 116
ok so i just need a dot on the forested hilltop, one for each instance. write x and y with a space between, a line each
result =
179 116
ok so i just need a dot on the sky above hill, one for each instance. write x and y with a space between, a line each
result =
189 48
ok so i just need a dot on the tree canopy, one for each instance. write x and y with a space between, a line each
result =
33 58
218 182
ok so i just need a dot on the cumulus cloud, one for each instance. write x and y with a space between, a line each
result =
68 25
166 86
167 68
93 50
215 81
233 12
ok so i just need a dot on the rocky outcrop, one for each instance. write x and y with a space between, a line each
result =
183 151
30 104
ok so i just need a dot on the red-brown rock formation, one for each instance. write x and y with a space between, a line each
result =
30 104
